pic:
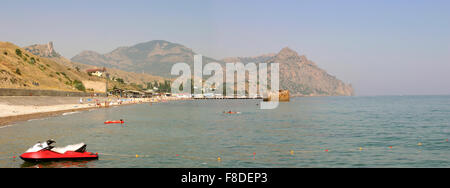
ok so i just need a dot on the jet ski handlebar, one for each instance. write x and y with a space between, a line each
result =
49 144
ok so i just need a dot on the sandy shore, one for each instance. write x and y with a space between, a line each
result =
12 119
13 109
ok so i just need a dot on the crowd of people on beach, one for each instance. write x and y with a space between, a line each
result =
114 101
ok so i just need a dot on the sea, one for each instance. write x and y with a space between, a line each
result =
313 132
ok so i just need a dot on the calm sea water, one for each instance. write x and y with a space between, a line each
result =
356 132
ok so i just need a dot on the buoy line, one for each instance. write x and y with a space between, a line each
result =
261 156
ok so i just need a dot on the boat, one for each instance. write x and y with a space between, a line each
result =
45 152
115 122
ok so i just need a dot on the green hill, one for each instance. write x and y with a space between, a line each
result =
21 69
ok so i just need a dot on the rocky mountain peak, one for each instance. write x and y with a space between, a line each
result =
287 53
43 50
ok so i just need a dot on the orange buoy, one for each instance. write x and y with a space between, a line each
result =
390 147
326 150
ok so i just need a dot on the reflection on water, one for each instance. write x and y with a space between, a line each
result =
307 132
60 164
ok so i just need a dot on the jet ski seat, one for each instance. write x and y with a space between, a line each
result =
81 147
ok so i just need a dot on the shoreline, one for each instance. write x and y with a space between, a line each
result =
9 120
40 107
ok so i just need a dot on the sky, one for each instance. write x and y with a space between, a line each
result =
383 47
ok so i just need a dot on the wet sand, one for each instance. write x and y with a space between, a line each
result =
12 119
15 109
40 100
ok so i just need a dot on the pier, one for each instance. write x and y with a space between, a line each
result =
228 98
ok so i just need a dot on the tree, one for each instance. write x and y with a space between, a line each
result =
79 85
19 52
192 86
120 80
165 87
32 61
169 86
18 71
149 85
181 87
224 85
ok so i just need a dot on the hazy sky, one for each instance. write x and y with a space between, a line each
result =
381 47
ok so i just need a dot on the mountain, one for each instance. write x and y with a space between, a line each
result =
297 74
256 59
303 77
48 51
22 69
155 57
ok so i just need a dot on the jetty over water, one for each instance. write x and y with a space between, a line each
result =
283 96
228 98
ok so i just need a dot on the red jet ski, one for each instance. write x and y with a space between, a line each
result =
43 152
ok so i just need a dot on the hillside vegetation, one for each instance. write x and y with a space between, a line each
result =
41 67
21 69
131 78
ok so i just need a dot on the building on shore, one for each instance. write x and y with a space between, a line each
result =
133 94
96 72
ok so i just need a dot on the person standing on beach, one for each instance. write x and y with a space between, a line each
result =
81 100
